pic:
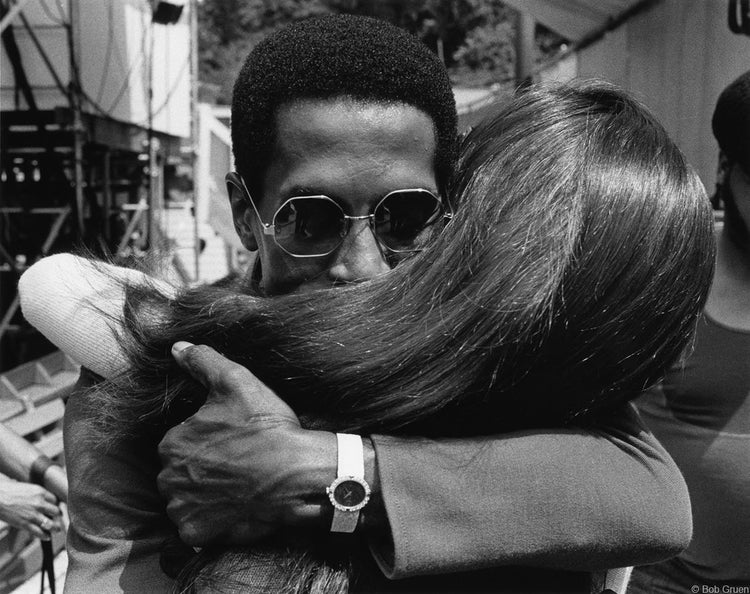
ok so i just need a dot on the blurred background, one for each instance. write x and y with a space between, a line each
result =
114 130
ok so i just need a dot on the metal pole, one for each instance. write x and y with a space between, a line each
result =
107 192
151 148
75 101
11 14
43 54
524 48
193 6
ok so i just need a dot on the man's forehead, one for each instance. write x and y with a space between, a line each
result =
336 117
322 145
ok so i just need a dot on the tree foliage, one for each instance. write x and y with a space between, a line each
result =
229 29
475 38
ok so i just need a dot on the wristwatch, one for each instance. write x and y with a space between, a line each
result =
349 492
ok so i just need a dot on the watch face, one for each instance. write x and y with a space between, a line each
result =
349 493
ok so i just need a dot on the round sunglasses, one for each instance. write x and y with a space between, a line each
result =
314 226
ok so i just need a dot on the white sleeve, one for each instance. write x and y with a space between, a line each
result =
77 305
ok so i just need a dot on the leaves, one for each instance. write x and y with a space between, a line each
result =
475 38
229 29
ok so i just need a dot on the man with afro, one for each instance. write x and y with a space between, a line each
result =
332 118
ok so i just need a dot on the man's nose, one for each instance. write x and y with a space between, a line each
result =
360 257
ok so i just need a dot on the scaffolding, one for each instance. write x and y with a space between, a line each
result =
95 123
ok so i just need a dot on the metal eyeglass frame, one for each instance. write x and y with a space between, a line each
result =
235 179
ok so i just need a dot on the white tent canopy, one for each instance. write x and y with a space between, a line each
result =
674 55
575 19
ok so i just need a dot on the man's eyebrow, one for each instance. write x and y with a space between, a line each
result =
304 191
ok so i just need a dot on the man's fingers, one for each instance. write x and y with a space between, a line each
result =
191 360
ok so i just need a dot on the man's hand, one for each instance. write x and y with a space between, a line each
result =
242 467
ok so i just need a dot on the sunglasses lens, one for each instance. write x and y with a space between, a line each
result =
403 217
309 226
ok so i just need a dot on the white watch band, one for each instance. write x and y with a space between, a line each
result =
350 477
351 456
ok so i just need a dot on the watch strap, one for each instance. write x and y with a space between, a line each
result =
351 465
344 521
351 455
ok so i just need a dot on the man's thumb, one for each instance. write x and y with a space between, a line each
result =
226 379
180 346
202 362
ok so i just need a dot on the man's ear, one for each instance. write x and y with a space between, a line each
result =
722 169
243 215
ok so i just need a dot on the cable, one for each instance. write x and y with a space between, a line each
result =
129 73
172 89
95 103
43 54
60 10
108 51
50 16
107 113
75 73
98 108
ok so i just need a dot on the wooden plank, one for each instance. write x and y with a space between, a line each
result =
10 409
40 394
59 361
8 391
51 444
39 381
38 418
24 558
55 138
25 117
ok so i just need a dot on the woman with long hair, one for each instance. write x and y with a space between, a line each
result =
569 279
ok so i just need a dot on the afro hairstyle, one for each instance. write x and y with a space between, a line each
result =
731 121
337 56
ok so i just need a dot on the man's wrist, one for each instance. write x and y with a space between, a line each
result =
349 493
317 469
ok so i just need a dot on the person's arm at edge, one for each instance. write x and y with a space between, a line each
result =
76 303
117 529
570 499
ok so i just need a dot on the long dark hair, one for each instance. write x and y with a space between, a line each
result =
570 278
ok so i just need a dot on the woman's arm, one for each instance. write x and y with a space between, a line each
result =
569 499
76 304
118 528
